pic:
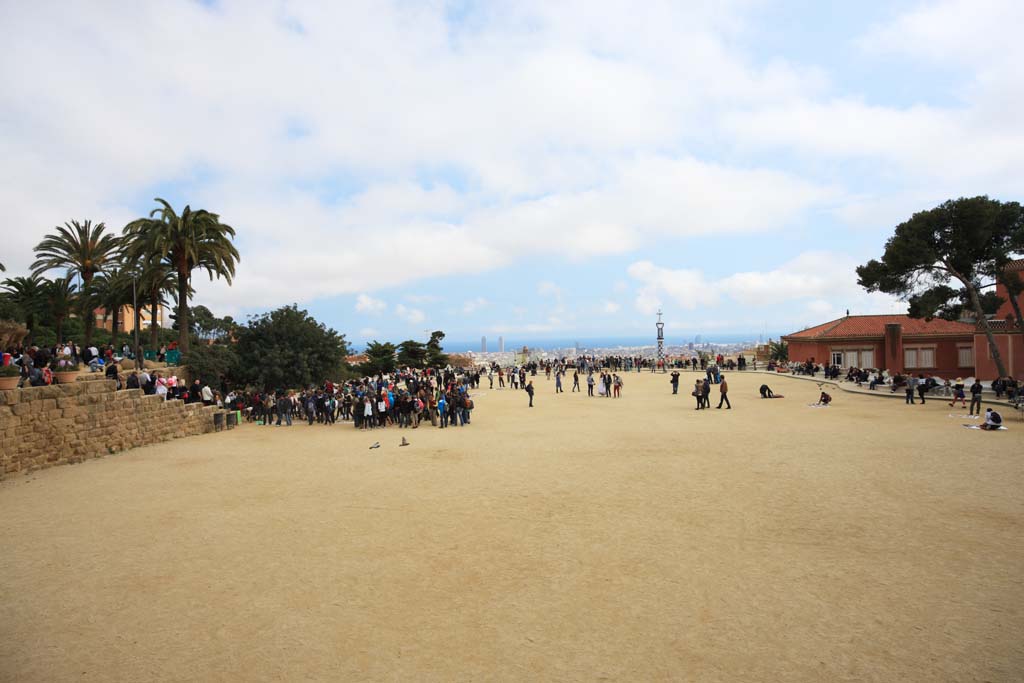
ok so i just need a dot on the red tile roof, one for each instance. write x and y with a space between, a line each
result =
1015 266
874 326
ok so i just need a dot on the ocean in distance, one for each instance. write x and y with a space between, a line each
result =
514 343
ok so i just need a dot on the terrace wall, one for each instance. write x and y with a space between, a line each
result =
68 423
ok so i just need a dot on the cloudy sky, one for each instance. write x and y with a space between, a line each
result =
548 169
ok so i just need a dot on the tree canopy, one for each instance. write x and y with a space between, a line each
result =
941 260
380 358
288 348
412 354
185 241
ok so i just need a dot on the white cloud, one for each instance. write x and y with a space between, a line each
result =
610 307
824 278
566 146
367 304
550 289
412 316
369 333
474 305
687 288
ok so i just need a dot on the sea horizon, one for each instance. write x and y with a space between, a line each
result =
600 342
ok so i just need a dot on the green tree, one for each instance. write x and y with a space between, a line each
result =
411 354
189 241
213 363
778 351
961 241
288 348
81 248
204 323
156 280
111 290
26 294
60 298
436 357
380 358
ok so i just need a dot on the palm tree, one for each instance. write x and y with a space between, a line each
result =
112 290
60 297
81 248
156 278
27 294
778 351
194 239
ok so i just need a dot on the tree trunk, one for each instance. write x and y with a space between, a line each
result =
88 312
183 325
152 323
1016 311
972 291
114 316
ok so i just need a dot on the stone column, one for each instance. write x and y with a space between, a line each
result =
893 348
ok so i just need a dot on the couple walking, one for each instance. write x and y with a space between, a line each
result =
702 392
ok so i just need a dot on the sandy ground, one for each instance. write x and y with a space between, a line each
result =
585 539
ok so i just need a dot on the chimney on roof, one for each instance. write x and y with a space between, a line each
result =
847 312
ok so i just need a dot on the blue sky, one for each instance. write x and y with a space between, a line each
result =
533 170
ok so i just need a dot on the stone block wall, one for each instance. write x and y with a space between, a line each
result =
67 423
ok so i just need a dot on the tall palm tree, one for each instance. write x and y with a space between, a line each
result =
60 297
156 279
112 290
194 239
27 294
81 248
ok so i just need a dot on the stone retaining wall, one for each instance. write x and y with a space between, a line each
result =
67 423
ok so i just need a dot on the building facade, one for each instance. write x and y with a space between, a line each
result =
897 343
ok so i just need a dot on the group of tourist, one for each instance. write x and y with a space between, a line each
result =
406 399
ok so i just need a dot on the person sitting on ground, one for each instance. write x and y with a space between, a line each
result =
993 420
824 399
766 391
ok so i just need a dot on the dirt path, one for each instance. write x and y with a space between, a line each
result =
585 539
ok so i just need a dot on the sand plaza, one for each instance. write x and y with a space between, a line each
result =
585 539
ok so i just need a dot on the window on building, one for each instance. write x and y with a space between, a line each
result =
919 358
837 358
867 359
965 357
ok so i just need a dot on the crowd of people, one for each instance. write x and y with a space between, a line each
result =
407 399
441 396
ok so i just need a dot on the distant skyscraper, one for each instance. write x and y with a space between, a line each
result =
483 344
697 339
501 345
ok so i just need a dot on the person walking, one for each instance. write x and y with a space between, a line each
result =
575 381
705 393
674 382
723 388
590 384
698 393
529 391
958 393
922 387
558 382
975 398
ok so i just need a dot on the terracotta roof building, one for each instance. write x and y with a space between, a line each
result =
897 343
